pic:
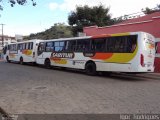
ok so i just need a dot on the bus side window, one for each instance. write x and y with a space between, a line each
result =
120 44
20 46
133 43
27 46
30 45
70 46
61 45
83 45
98 45
80 45
49 46
23 46
117 44
66 47
56 46
133 47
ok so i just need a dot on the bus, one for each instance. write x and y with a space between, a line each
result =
132 52
22 52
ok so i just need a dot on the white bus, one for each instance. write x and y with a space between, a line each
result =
132 52
22 52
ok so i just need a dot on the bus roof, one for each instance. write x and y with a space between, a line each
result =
98 36
33 40
86 37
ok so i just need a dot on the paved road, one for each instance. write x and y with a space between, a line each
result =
29 89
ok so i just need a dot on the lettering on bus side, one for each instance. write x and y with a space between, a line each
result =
69 55
89 54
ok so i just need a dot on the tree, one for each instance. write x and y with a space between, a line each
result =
158 6
147 10
117 20
88 16
150 11
59 30
19 2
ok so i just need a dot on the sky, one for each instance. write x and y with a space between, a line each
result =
25 20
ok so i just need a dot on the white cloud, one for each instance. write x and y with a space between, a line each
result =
117 8
53 6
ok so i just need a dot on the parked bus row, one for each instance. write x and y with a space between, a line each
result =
124 52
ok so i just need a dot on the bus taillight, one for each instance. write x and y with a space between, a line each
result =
142 60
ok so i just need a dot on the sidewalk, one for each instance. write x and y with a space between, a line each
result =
1 60
150 75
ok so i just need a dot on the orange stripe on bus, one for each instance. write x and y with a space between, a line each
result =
102 56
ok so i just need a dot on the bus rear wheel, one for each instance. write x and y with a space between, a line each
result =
21 61
47 64
7 58
90 69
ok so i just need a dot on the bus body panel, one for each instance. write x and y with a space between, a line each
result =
139 58
28 55
146 53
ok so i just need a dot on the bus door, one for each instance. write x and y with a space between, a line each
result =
40 52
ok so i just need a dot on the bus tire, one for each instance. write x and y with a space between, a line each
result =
21 61
47 64
90 68
7 58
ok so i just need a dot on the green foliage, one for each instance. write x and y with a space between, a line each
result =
88 16
59 30
19 2
117 20
150 11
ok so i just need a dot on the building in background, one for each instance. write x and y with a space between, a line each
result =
18 38
6 40
149 23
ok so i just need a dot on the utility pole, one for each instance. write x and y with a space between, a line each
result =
2 34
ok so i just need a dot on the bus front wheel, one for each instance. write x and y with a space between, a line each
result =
21 61
90 68
8 59
47 64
